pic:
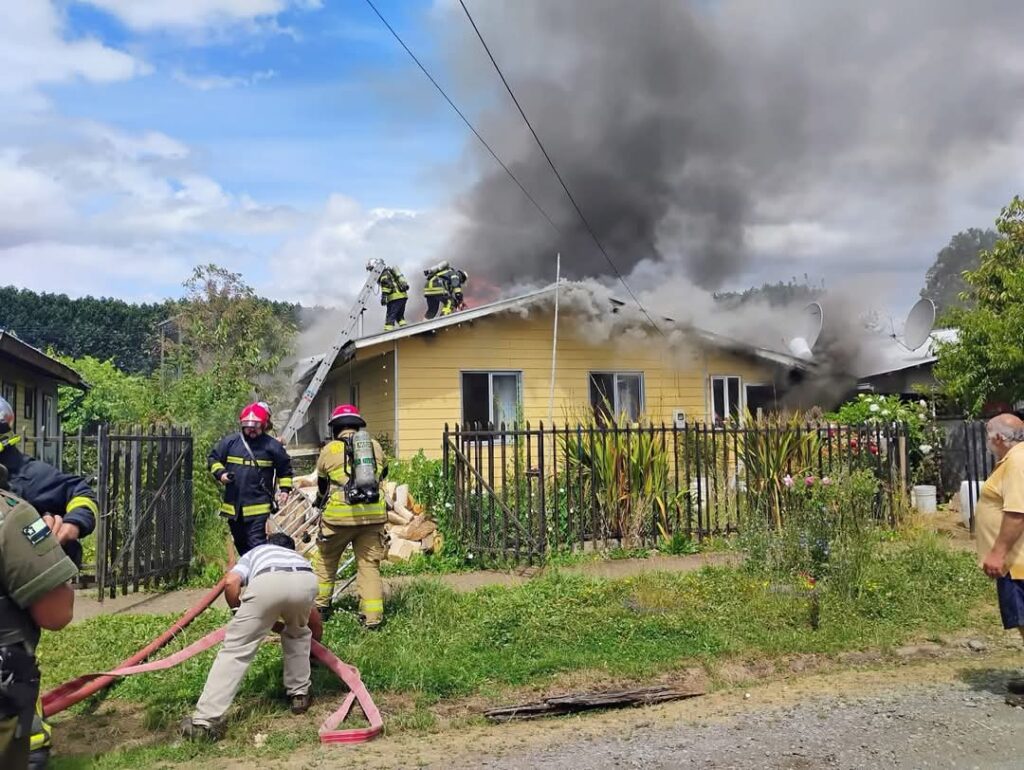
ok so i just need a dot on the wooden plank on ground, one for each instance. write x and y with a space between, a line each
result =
570 704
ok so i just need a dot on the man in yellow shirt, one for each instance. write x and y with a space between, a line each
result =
999 527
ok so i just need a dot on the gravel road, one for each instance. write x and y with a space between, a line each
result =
949 725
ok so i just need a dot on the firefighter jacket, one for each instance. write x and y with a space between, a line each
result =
252 491
332 476
47 489
437 284
392 285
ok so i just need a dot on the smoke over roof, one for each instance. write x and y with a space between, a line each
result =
702 139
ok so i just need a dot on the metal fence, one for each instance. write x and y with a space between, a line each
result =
521 492
145 532
971 441
143 484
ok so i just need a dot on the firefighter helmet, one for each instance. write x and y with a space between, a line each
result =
6 414
266 408
254 416
346 416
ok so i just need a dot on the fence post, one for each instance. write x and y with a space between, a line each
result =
540 484
78 465
102 530
136 504
902 449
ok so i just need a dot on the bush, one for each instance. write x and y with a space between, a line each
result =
828 532
428 486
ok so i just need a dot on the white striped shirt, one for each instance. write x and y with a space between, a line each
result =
267 556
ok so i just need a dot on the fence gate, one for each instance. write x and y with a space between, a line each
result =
144 485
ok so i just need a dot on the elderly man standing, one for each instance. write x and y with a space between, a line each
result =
999 527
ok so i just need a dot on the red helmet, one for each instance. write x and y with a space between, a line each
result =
346 416
254 416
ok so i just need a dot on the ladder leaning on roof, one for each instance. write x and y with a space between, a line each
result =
298 415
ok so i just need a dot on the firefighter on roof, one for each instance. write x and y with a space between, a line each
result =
394 294
349 471
249 464
436 288
455 282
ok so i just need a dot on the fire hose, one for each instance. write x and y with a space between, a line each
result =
68 694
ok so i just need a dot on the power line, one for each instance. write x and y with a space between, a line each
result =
551 163
464 118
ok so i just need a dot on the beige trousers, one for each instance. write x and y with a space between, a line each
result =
272 596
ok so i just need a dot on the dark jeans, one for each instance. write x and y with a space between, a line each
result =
434 304
248 532
396 312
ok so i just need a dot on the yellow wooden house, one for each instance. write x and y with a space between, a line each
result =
28 382
510 361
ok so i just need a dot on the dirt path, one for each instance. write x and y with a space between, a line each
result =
87 605
947 714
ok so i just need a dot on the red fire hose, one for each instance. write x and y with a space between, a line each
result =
80 688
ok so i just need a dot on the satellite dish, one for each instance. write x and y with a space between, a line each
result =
919 324
809 327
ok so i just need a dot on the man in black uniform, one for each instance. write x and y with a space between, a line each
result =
34 594
67 505
249 464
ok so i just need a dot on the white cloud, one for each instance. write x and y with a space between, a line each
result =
34 51
190 14
216 82
327 264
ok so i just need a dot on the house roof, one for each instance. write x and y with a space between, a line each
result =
307 366
891 356
36 360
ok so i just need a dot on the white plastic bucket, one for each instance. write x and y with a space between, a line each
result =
925 498
968 491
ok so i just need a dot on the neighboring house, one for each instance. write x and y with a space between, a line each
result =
894 370
28 381
492 364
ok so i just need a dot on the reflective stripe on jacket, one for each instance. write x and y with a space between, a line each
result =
251 493
332 473
391 282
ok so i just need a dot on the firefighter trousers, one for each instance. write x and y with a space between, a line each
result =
368 542
434 302
395 313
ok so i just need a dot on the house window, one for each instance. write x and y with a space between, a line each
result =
725 399
49 414
10 394
760 399
30 404
614 394
491 398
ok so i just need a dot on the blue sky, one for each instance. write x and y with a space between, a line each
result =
277 110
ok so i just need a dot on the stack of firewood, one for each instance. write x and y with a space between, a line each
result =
411 529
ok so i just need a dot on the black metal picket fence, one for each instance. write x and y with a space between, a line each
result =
971 443
143 484
523 492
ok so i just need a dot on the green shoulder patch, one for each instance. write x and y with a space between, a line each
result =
36 532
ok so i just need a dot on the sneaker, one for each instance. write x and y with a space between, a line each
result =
197 732
301 703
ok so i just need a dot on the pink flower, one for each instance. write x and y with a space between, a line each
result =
826 480
787 480
809 481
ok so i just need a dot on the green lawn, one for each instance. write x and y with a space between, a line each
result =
439 645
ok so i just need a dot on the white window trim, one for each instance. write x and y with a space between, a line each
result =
490 391
615 388
724 378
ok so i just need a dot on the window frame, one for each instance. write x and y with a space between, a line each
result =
727 411
517 373
29 409
746 400
641 406
8 387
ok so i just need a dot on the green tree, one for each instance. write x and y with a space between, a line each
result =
944 282
986 362
113 396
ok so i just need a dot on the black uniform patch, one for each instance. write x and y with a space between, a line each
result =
36 532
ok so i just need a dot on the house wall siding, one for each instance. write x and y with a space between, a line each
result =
430 365
373 372
25 380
